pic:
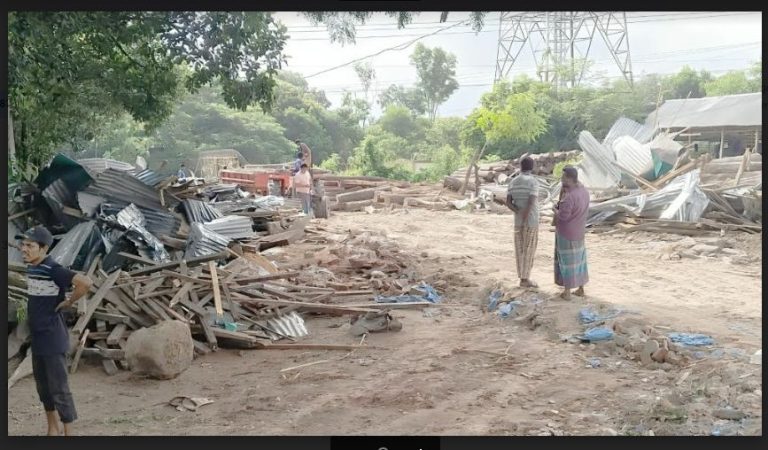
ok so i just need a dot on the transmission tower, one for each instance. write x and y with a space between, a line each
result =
560 43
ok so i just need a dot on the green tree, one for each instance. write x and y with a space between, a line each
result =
735 82
366 74
203 121
354 110
411 98
304 114
436 70
501 116
688 83
70 71
332 163
398 121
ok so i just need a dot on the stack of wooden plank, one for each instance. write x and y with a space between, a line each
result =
233 306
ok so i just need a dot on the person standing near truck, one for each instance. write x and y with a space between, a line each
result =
47 282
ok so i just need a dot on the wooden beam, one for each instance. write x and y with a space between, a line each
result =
173 265
182 293
95 302
311 307
111 318
742 166
79 352
138 258
116 334
20 214
216 291
722 142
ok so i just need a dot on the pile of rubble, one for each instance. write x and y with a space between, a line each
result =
500 172
161 249
641 179
670 190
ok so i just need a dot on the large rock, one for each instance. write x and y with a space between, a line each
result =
162 351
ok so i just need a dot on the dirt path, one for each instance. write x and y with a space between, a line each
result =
453 370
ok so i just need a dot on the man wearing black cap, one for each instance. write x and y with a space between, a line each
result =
47 282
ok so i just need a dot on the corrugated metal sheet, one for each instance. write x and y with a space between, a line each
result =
203 241
743 110
690 202
115 185
596 170
148 245
197 211
289 325
150 178
682 199
89 203
233 227
634 156
78 247
57 193
99 165
157 222
628 127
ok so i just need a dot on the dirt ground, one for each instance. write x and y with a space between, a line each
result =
456 370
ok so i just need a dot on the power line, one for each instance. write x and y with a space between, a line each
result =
398 47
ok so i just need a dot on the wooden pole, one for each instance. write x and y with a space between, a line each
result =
757 140
722 141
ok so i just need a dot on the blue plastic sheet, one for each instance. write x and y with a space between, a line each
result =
429 294
493 300
597 334
588 315
691 339
506 309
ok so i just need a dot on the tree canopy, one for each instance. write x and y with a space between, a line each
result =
436 70
68 71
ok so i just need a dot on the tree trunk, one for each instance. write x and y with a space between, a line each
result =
475 158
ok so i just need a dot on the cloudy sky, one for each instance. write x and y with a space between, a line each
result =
660 42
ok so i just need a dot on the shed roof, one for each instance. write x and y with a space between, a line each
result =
742 110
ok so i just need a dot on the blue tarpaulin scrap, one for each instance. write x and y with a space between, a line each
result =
597 334
588 315
493 300
506 309
429 294
691 339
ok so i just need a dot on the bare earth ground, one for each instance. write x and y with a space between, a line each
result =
454 370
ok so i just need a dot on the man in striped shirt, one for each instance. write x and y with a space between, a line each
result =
47 282
523 194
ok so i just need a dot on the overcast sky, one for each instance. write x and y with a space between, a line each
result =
660 42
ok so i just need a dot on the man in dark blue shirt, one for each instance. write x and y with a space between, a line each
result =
47 282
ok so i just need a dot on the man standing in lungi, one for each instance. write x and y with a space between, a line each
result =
523 195
570 223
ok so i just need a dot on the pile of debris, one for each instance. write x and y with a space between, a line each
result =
640 178
346 193
161 249
670 190
500 172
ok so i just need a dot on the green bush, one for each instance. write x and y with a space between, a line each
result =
557 172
